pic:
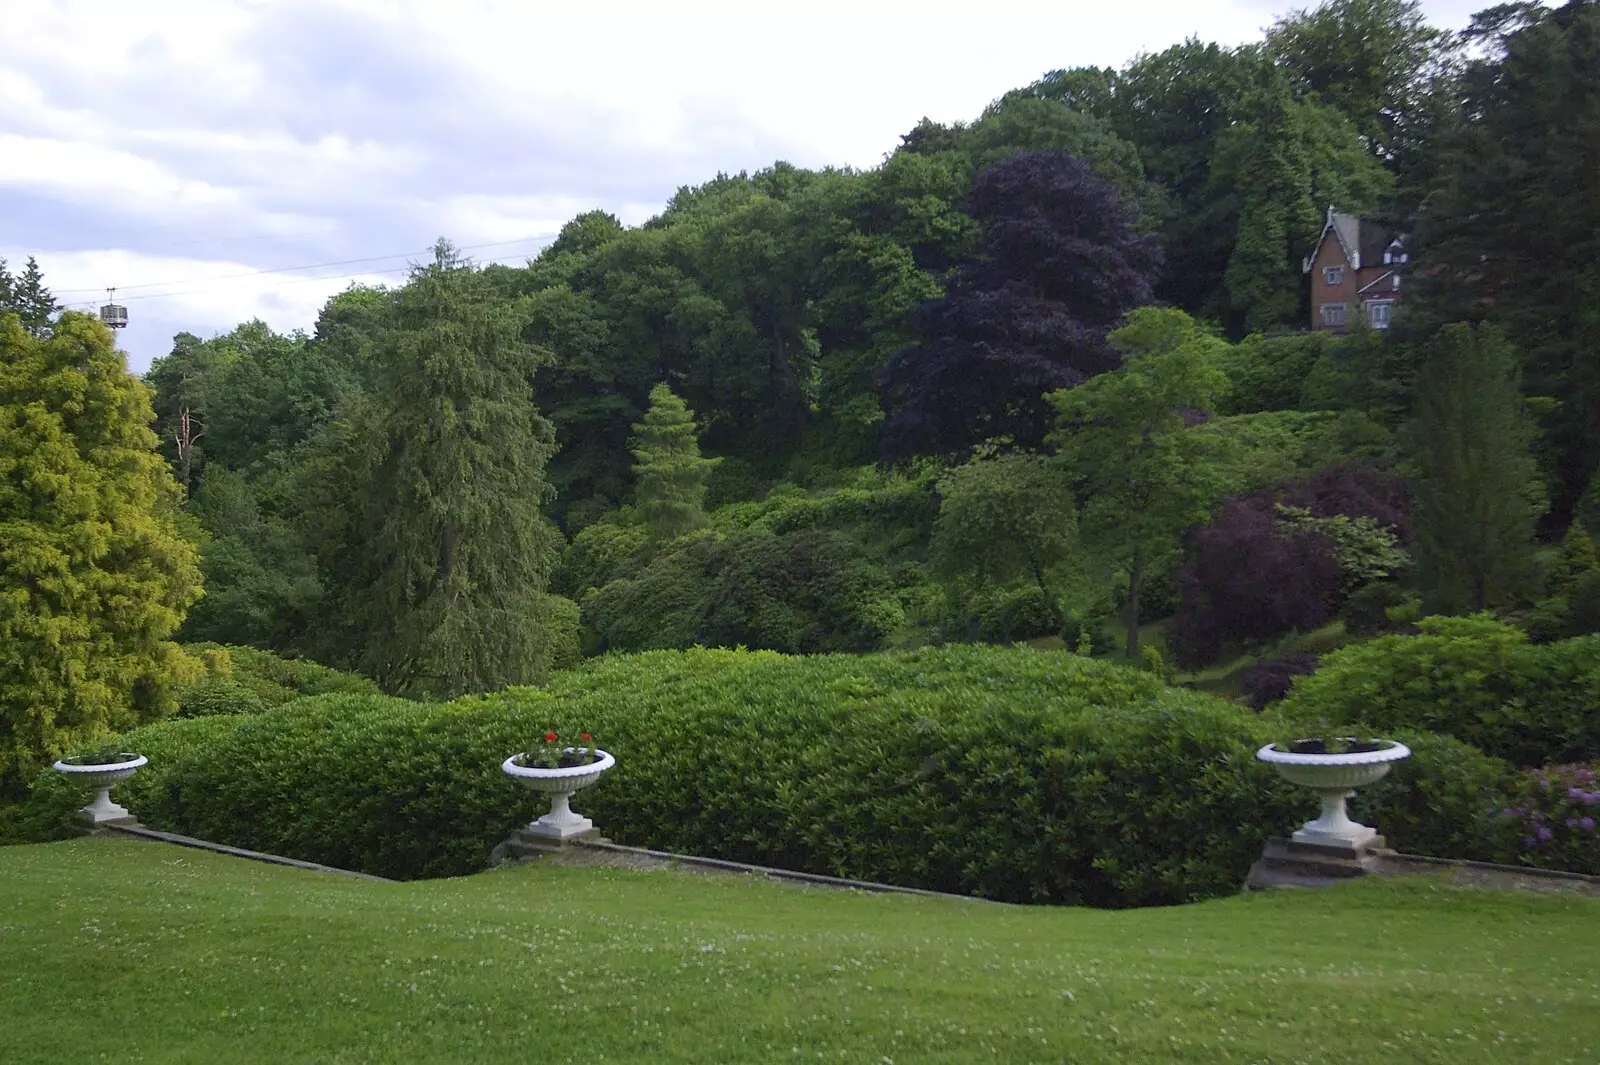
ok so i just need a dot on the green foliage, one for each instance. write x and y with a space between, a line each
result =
444 551
28 298
1027 776
1271 449
1267 373
262 585
247 680
1142 475
564 621
94 575
1476 484
1509 233
599 554
1047 785
671 490
1441 801
1476 679
1009 614
805 591
1367 551
1373 60
1002 519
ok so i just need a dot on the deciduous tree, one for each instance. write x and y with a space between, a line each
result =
1143 476
1061 263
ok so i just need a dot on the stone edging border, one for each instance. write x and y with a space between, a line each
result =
662 858
140 832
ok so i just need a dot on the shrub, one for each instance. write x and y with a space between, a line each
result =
1267 682
1441 801
807 590
1268 374
1551 819
1006 615
565 625
247 680
1010 773
1246 580
1014 774
1477 679
599 554
1366 612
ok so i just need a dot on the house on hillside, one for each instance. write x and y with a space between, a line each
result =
1354 269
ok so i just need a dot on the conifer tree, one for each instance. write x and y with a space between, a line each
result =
671 488
1474 472
27 297
94 576
443 567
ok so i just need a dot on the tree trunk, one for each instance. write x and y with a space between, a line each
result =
1135 586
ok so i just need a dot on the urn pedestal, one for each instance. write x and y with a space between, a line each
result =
102 777
562 822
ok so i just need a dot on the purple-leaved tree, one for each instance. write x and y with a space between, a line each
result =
1061 263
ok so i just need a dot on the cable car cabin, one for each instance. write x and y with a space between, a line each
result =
115 315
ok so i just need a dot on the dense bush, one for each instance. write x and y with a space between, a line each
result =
1268 374
1551 819
1270 563
1014 774
1267 682
1477 679
247 680
805 591
1246 580
565 624
1007 615
1441 801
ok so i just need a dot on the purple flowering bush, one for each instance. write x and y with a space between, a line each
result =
1551 821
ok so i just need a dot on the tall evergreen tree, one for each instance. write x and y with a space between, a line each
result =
94 577
442 570
1511 229
27 297
671 488
1474 513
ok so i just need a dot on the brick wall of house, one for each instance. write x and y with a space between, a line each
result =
1332 254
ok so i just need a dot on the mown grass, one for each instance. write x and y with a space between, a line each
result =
130 951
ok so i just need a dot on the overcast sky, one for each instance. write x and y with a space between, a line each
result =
169 147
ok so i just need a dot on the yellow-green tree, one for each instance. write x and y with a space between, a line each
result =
671 490
94 576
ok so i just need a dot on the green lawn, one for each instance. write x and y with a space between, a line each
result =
129 951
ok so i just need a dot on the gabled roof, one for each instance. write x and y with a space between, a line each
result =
1363 243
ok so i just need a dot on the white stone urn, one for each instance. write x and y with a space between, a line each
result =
561 822
102 777
1334 777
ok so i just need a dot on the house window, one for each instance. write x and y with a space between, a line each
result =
1378 312
1333 275
1333 314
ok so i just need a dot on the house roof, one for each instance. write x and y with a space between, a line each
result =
1363 242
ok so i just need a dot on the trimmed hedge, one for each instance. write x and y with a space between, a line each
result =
1014 774
1475 678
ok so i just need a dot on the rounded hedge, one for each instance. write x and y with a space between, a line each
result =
1009 773
1476 679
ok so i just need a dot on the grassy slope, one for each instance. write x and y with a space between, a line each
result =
143 952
